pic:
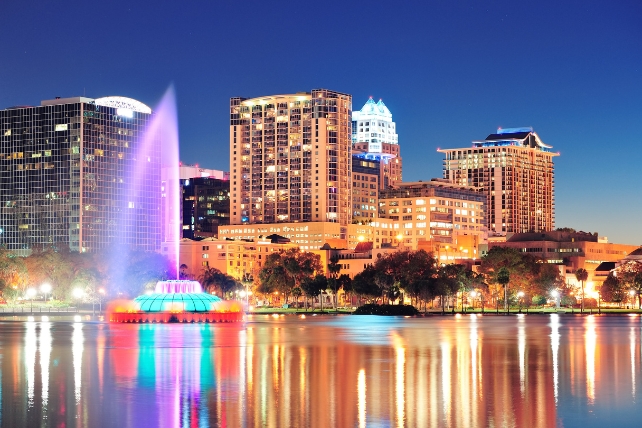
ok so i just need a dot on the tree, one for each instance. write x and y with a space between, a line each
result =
213 279
630 275
364 283
612 289
581 275
333 270
344 282
503 278
284 270
313 287
447 282
523 269
297 292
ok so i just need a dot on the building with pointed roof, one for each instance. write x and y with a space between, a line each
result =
374 138
514 168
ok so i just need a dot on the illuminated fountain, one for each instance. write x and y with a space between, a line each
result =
174 300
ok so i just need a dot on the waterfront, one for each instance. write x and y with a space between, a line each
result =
471 370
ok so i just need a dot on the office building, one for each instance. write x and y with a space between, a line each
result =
365 189
437 216
514 168
206 206
75 173
374 137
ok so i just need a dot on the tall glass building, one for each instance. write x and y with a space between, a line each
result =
290 158
79 172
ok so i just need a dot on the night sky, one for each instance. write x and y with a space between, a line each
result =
450 72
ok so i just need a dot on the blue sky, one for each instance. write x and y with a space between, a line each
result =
450 72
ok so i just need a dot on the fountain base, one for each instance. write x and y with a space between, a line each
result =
181 317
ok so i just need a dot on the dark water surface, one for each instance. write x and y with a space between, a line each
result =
345 371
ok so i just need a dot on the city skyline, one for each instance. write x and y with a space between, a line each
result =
448 73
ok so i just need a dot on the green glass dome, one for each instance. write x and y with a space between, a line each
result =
179 302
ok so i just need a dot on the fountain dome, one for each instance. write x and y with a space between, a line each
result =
176 302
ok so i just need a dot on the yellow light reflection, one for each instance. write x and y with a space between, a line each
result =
45 352
590 344
555 346
76 350
30 358
445 379
632 336
400 371
521 345
361 392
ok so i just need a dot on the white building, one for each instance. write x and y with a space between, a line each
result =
373 124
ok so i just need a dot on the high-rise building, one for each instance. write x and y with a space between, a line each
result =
374 136
365 189
514 168
74 172
437 214
206 206
290 158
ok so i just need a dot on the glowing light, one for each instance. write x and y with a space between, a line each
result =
125 112
123 103
45 288
78 293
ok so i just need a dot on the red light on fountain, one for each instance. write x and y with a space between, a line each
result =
176 301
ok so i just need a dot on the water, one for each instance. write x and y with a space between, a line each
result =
526 371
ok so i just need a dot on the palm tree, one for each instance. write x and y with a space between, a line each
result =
582 275
503 278
333 269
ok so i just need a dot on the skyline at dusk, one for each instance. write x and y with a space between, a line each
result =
450 74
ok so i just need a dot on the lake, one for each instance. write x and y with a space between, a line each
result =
323 371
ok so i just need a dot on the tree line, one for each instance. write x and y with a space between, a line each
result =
117 272
505 276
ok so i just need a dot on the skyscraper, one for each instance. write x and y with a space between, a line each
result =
290 158
74 172
515 170
374 137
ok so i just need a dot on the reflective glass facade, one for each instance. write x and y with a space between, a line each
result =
75 173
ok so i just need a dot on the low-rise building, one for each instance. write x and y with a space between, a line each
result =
438 216
573 250
314 235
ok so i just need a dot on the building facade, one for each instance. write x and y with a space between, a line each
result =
206 206
374 137
365 189
75 173
290 158
514 168
437 216
571 251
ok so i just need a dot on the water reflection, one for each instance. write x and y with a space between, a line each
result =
538 371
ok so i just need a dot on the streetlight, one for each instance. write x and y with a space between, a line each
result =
520 295
77 293
473 294
31 293
46 289
100 299
632 294
556 295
